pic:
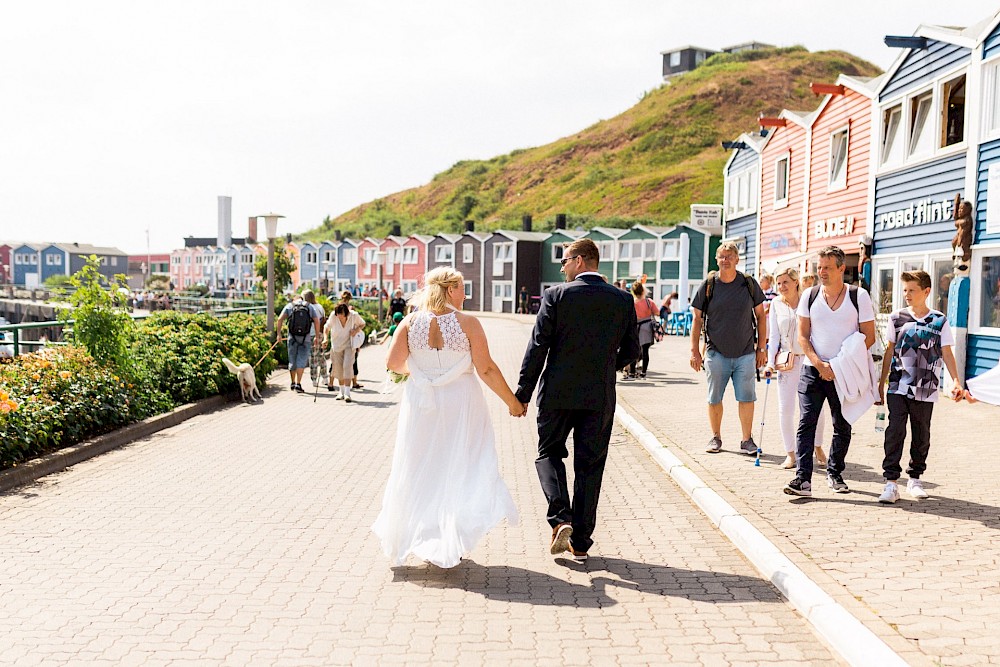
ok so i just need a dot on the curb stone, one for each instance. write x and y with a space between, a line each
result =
68 456
855 643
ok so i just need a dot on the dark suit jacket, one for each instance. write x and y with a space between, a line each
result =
585 331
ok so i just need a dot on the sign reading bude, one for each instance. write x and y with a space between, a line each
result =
706 216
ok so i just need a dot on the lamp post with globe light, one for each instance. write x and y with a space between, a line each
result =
380 258
271 230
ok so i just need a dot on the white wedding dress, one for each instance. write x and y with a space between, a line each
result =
444 491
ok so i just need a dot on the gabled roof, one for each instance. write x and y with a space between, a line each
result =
479 236
654 230
398 240
353 242
965 37
613 232
423 238
754 143
451 238
572 233
87 249
523 236
34 246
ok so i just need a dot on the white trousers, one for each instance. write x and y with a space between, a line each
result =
788 407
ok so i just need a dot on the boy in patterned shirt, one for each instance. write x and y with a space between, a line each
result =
921 340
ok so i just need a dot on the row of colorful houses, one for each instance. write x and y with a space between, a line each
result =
496 265
879 163
30 264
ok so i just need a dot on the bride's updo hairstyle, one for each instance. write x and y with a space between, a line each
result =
434 294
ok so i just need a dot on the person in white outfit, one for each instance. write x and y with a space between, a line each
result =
340 328
784 357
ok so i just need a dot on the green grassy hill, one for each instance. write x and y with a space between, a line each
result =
649 164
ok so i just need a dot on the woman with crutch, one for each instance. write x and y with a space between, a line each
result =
784 355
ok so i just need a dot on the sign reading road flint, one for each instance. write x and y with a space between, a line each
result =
831 227
919 213
706 216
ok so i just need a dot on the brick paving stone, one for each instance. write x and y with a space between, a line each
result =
930 569
242 537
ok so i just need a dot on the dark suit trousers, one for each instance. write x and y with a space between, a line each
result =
591 435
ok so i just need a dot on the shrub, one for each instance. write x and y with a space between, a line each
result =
60 396
101 323
183 352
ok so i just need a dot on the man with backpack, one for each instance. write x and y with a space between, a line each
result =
829 314
303 334
728 309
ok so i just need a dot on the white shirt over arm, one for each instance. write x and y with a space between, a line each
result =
828 329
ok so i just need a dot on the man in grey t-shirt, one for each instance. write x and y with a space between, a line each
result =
736 348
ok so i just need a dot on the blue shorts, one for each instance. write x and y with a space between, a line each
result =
742 371
298 353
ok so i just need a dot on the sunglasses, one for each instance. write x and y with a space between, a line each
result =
566 259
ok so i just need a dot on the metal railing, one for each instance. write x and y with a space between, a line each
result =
14 341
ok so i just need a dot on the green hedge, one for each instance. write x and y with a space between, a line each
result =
60 396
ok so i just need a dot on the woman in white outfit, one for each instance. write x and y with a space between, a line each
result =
444 491
784 355
343 324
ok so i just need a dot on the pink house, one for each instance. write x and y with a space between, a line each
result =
367 267
783 196
414 263
4 263
392 272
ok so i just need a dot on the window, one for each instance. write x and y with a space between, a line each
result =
311 257
921 135
558 252
892 142
699 57
467 253
351 256
468 289
443 253
953 112
885 284
409 255
114 261
838 159
369 256
649 250
991 100
781 182
675 59
394 255
607 250
941 276
409 286
671 250
247 257
989 313
53 260
502 253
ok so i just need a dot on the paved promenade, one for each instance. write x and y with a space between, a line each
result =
924 575
241 537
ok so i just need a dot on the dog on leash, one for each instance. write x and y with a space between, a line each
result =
248 382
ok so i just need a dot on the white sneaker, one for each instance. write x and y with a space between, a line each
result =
916 489
890 494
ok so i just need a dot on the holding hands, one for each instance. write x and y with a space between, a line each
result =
517 409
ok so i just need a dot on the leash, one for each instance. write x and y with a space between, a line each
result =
278 340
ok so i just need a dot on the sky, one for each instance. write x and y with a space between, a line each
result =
122 117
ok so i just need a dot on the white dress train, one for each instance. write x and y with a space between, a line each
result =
444 491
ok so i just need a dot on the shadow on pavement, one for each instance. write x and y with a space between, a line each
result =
949 508
513 584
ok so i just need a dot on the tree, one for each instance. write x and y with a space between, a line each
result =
101 323
283 267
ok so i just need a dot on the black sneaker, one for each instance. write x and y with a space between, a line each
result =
749 447
799 487
299 389
837 483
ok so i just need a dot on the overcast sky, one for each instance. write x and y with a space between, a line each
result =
116 117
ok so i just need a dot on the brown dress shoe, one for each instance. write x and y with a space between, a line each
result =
560 538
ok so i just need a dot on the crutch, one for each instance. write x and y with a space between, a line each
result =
763 413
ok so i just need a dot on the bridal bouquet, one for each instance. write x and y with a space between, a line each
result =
392 380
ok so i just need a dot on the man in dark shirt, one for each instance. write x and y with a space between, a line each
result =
727 306
397 305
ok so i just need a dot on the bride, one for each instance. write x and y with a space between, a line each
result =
444 491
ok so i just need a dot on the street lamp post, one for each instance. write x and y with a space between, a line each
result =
380 258
271 229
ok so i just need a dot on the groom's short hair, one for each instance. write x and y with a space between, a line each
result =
586 249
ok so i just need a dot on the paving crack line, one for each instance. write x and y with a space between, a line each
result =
849 637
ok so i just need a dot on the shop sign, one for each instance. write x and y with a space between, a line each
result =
741 244
831 227
706 216
919 213
783 241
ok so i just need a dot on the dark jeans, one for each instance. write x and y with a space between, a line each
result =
591 435
645 361
902 408
813 391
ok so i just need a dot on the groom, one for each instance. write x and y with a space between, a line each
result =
585 332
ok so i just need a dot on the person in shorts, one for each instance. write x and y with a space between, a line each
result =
728 308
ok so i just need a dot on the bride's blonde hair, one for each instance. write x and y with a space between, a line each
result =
434 294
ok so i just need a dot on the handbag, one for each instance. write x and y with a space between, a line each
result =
784 360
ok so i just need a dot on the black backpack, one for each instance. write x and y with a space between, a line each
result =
710 286
852 291
300 321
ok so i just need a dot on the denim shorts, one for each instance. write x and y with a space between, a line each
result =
298 353
742 371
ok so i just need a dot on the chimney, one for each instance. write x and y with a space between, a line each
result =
560 221
336 235
470 226
396 230
526 223
252 230
288 237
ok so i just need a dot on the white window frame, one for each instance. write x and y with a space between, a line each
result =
942 112
409 286
782 202
369 256
990 95
607 250
676 254
311 256
742 193
467 253
503 253
674 59
976 292
444 253
53 260
922 144
468 289
838 180
409 255
351 256
558 250
898 137
905 132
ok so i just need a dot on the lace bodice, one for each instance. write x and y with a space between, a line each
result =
454 338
